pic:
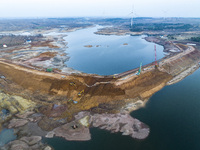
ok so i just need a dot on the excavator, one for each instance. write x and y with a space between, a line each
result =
72 84
80 93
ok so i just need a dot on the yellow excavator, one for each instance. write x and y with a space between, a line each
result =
80 93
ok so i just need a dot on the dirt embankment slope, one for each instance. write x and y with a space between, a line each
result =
45 87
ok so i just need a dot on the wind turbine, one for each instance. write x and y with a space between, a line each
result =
103 13
132 15
165 13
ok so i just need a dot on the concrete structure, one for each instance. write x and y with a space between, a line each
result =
191 44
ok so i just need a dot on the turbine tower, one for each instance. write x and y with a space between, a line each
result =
165 12
132 15
131 22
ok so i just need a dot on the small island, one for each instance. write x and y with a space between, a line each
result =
89 46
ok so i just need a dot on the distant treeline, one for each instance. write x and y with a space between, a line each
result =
160 27
195 39
46 23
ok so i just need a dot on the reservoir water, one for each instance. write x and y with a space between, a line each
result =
173 115
108 54
6 135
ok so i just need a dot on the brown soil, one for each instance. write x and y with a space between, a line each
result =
43 44
48 54
184 47
176 66
52 85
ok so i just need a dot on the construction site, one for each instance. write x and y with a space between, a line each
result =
65 98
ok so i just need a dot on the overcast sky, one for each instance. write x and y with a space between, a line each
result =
99 8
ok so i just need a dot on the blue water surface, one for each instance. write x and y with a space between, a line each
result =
112 56
6 135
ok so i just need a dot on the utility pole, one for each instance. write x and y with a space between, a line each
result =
156 64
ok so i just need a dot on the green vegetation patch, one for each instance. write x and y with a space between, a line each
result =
195 39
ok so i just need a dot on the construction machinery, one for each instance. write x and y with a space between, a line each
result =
70 100
80 93
140 69
72 84
49 70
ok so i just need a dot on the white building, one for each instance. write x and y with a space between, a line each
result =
28 41
191 44
4 45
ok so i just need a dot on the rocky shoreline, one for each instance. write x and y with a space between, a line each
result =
78 130
29 133
169 47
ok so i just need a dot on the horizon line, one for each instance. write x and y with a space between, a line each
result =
50 17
